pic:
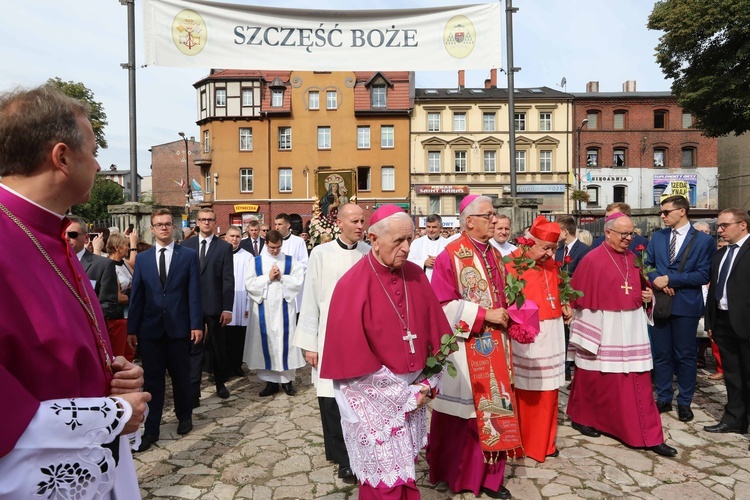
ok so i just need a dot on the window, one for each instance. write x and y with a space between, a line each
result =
460 161
459 122
285 138
660 119
520 161
206 142
313 100
247 97
363 178
619 120
545 161
386 136
688 157
545 122
387 178
593 192
363 137
246 139
277 98
203 101
619 157
378 96
331 99
433 162
592 158
619 194
285 180
660 158
488 122
246 180
519 121
433 122
490 161
324 137
434 204
207 182
221 97
459 198
687 120
593 118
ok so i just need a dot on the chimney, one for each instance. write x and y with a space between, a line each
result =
592 87
628 86
491 82
192 138
461 79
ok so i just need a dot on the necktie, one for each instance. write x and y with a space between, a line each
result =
724 272
203 252
673 246
255 247
163 266
565 252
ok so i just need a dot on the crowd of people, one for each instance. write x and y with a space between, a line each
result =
482 328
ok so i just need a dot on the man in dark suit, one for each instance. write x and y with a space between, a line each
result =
254 242
623 208
728 317
217 291
100 270
673 338
164 317
569 254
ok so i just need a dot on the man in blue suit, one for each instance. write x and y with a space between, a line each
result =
165 317
673 338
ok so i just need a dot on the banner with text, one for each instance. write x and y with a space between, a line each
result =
200 34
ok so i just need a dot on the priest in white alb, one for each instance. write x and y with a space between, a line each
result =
236 330
383 323
273 281
424 250
292 245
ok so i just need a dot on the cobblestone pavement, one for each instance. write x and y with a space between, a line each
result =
272 448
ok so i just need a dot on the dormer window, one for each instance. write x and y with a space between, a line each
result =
377 93
277 98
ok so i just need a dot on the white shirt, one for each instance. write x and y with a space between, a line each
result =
724 303
208 240
681 235
504 248
167 254
80 254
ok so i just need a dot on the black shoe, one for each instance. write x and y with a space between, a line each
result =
288 389
586 430
239 372
270 390
501 493
664 406
185 426
347 475
684 413
222 391
722 428
664 450
554 454
146 441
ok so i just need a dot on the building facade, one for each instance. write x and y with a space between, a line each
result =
171 174
639 147
459 145
122 178
734 171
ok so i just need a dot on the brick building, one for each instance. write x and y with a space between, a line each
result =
637 147
168 171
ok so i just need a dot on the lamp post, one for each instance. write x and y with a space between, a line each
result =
187 175
578 167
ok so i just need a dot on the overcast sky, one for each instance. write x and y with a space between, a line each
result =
86 41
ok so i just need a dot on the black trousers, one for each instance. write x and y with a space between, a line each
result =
213 347
235 347
735 361
333 436
158 357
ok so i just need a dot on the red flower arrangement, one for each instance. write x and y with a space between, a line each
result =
524 317
640 262
567 292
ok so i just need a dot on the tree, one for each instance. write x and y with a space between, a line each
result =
706 50
104 192
80 92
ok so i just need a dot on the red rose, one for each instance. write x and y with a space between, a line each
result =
568 259
559 264
640 248
462 326
525 242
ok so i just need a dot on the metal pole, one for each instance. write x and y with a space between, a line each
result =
509 10
187 175
578 166
130 66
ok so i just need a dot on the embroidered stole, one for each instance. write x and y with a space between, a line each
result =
488 353
262 316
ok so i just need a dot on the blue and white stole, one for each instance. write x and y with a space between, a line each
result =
262 316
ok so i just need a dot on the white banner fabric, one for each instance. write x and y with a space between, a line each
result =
200 34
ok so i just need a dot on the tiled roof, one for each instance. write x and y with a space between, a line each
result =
399 97
491 94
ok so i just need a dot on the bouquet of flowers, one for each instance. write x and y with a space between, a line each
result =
524 315
322 224
640 262
522 263
567 293
448 344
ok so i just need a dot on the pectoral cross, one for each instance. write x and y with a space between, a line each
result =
626 287
410 338
551 301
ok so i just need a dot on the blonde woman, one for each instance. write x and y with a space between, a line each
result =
118 248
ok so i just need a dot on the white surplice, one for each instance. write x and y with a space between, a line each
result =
297 248
423 248
504 248
242 259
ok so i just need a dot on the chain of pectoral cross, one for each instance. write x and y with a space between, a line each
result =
549 297
409 337
495 294
625 275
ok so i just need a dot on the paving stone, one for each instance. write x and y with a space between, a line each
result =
295 463
635 460
520 487
723 491
178 491
604 488
644 480
220 492
554 489
617 476
686 439
681 491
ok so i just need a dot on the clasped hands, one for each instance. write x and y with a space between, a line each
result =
127 383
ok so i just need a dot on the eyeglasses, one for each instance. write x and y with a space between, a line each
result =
723 226
74 234
488 215
623 235
667 212
207 220
161 225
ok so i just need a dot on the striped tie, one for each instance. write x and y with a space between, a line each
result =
673 246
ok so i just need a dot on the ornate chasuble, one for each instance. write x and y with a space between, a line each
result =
480 280
542 286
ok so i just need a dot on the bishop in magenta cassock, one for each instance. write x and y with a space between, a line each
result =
611 391
383 322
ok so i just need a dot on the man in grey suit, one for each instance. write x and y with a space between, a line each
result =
100 270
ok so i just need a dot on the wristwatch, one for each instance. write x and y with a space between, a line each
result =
133 249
